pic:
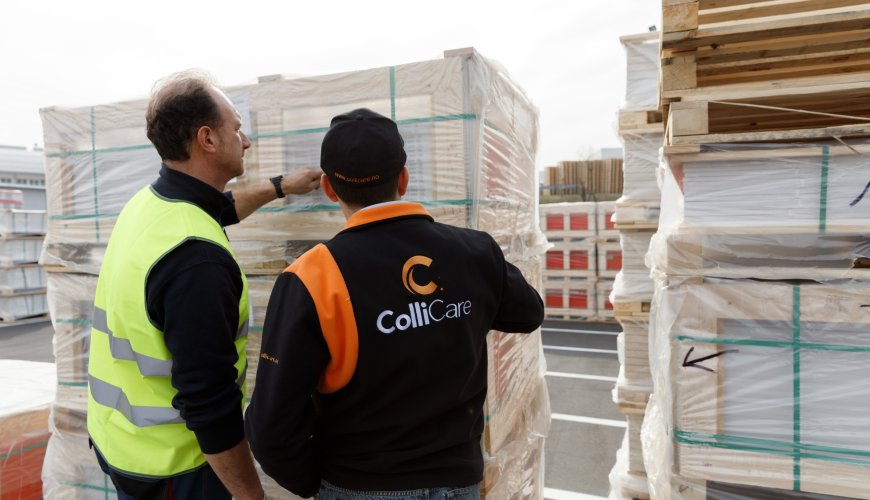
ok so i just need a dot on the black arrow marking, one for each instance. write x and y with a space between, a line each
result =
694 362
860 196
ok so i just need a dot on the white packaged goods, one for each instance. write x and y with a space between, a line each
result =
471 137
765 211
761 384
27 277
642 70
20 250
641 164
23 305
22 222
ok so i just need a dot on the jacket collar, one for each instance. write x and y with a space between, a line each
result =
384 212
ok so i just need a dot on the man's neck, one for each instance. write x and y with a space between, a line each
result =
349 210
198 170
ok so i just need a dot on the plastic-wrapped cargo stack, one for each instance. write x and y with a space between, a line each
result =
28 390
22 279
760 325
471 138
636 218
582 262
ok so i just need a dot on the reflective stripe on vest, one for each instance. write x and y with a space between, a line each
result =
148 366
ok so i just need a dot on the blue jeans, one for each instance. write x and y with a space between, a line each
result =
330 492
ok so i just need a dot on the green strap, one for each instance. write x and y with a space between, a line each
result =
796 383
393 92
94 170
823 191
774 447
34 446
105 488
774 344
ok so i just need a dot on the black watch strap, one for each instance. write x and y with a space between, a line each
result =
276 181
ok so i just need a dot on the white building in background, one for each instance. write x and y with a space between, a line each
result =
24 169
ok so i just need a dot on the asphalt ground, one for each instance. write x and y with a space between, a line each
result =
582 365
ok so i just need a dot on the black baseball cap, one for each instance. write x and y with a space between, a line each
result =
362 148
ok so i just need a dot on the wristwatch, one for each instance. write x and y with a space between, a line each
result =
276 181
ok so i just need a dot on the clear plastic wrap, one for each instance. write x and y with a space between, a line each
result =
642 70
28 389
470 135
639 205
759 389
628 478
771 211
22 306
20 250
23 278
22 222
633 283
471 138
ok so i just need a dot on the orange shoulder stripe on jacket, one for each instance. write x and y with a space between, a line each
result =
320 275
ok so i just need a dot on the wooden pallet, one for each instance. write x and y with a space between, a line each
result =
631 309
632 122
731 43
721 60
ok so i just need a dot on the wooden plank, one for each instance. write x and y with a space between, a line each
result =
679 16
774 135
804 25
774 8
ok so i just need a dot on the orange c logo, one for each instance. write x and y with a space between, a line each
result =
408 276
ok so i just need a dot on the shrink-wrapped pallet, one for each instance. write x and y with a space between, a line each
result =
470 135
773 211
759 389
28 389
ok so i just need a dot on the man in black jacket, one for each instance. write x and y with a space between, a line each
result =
373 366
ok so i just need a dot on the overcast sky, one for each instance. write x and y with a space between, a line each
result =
565 54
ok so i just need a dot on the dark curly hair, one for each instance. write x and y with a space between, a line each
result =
180 104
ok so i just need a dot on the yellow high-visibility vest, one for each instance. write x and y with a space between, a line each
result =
130 415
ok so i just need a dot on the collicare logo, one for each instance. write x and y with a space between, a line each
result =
420 313
408 276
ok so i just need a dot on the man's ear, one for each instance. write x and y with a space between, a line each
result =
404 178
205 139
327 188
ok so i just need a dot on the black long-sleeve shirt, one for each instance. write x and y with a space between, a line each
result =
192 295
373 369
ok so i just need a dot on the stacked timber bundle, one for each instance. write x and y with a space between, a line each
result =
759 315
588 179
22 279
636 218
471 138
581 264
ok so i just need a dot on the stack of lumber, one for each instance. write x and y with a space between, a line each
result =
636 218
759 317
587 178
22 279
582 262
472 162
